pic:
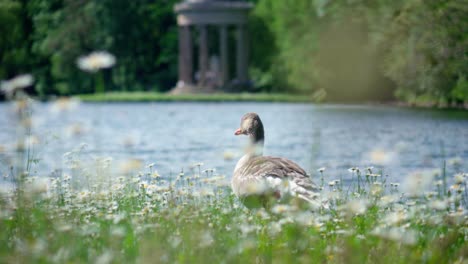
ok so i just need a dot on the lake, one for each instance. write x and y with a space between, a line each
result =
175 136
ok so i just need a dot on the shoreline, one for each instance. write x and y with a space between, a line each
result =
248 97
145 97
196 97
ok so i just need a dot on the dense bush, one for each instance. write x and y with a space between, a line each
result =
360 49
346 50
49 35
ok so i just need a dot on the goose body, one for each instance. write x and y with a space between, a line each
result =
259 181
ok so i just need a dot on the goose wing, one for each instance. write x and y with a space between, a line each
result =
278 169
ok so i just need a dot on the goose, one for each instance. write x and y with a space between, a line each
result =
263 181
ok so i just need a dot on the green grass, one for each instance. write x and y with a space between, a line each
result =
95 211
195 219
216 97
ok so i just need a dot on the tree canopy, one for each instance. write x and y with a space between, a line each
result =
342 50
366 49
49 35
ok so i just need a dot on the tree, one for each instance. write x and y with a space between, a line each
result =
13 51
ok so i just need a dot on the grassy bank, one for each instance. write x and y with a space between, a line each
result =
243 97
97 210
194 218
216 97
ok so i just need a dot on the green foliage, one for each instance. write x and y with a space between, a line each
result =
343 50
356 50
12 38
142 35
460 91
426 44
291 23
323 46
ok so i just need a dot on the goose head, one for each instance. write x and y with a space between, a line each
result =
252 126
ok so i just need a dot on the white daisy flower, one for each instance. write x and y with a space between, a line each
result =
95 61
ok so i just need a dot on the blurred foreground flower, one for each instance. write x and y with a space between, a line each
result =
397 234
75 129
381 157
228 155
460 177
395 218
95 61
356 207
130 165
64 104
36 185
32 140
19 82
418 182
456 161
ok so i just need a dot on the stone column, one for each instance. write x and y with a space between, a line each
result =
185 55
203 53
223 51
242 53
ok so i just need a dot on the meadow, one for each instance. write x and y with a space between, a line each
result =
141 216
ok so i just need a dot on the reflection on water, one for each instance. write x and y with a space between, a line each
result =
175 136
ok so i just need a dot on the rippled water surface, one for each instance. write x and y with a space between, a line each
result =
174 136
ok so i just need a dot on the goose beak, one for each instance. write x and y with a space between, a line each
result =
238 132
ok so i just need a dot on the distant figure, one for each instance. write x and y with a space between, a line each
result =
212 76
214 72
